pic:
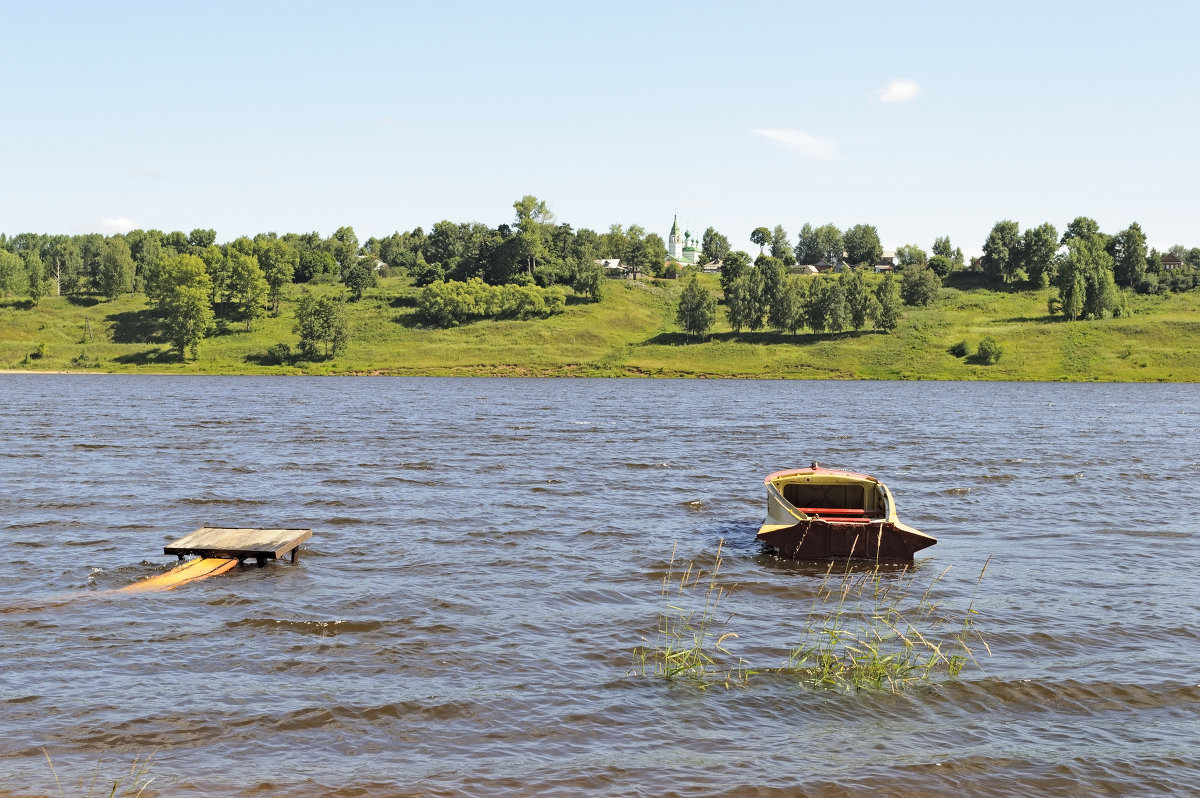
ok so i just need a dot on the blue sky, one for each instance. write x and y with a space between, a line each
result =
922 118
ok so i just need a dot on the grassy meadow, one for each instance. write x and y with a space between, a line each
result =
631 333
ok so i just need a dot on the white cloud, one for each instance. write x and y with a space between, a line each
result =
803 143
900 90
120 224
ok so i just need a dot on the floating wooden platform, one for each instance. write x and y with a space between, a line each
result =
240 544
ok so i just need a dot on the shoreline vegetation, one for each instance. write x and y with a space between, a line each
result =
633 333
539 299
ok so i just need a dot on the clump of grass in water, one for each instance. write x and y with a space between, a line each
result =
687 646
130 785
862 633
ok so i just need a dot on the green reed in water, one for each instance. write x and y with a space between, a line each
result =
867 631
867 628
689 645
129 785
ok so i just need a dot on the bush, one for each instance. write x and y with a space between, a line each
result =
453 302
989 351
960 349
279 354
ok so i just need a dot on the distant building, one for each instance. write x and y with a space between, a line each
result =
1171 261
612 267
682 249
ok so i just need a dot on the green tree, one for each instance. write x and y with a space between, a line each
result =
862 245
755 310
35 275
827 306
1080 227
248 287
176 240
220 272
910 255
941 265
322 326
316 265
12 274
736 264
713 246
773 271
740 304
887 295
201 238
1085 280
66 265
697 309
919 286
830 244
1002 251
760 236
587 278
787 310
1038 245
1129 262
860 300
343 246
806 245
361 276
279 261
780 248
533 217
115 269
182 301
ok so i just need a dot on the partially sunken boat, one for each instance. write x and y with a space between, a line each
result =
820 514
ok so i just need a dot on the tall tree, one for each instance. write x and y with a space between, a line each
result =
862 245
780 248
787 310
322 326
806 249
66 264
910 255
1002 251
343 246
201 238
736 264
1038 245
279 261
887 294
1129 263
533 216
115 269
1080 227
919 286
12 273
35 275
1085 280
860 300
247 287
760 236
697 309
183 302
713 246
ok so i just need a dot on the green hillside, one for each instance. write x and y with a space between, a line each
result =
631 333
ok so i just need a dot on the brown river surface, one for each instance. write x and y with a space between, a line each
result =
487 554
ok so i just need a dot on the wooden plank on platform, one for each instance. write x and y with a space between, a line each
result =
243 543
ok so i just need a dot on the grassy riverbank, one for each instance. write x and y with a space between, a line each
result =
632 333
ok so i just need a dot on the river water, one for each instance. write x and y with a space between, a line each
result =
487 554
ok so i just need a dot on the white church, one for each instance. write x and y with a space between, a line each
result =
685 249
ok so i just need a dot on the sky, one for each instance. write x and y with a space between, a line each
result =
921 118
